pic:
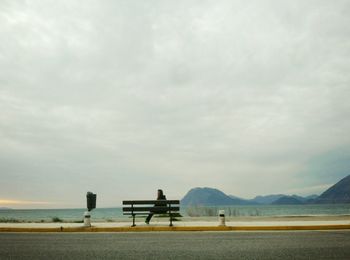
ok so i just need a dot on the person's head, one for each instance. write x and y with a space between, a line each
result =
160 194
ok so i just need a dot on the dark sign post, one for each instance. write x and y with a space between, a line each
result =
91 204
91 201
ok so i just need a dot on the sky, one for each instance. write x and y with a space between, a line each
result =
122 98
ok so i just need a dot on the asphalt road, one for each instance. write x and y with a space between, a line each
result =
177 245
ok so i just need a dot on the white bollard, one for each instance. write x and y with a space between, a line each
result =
222 217
87 219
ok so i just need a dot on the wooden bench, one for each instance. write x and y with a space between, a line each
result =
145 207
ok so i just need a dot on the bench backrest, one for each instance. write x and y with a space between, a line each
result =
149 202
151 206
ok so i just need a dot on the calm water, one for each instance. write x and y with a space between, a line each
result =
114 214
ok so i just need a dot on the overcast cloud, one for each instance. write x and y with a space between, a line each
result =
124 97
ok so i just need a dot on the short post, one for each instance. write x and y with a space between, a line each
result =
87 219
222 217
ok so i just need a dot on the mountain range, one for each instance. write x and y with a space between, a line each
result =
338 193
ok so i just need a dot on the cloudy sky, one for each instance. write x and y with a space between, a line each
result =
124 97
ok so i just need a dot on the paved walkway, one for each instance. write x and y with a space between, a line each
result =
179 224
162 225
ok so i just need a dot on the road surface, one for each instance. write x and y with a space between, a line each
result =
177 245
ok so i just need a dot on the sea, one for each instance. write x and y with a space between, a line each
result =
116 214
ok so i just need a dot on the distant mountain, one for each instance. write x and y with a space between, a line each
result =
338 193
235 197
214 197
3 208
288 200
211 197
294 199
311 197
268 199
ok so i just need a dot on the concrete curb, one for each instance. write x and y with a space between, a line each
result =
166 228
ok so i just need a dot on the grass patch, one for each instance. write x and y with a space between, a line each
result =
197 211
175 216
56 219
10 220
201 211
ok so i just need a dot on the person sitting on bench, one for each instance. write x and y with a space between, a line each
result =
160 197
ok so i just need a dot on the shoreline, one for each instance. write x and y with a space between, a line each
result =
286 218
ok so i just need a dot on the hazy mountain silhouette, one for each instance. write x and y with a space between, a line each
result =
3 208
288 200
267 199
210 197
338 193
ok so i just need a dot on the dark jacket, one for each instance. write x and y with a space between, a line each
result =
160 203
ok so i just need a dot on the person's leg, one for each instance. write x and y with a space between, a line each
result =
148 219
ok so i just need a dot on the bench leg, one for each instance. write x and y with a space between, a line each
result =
171 216
171 220
133 220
